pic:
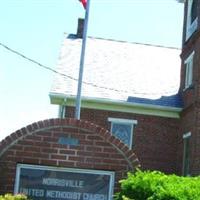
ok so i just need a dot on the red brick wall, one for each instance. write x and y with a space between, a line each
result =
187 125
191 123
195 141
154 138
38 144
190 118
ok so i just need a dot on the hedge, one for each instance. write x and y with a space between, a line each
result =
13 197
155 185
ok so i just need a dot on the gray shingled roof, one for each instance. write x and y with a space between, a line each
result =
116 70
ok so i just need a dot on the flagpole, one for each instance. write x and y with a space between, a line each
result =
82 59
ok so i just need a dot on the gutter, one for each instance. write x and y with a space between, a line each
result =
119 106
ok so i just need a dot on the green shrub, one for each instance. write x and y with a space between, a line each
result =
13 197
158 186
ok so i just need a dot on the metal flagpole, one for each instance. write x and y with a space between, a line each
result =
82 59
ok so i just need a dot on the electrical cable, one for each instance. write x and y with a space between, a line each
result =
75 79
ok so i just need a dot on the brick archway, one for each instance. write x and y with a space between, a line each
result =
41 144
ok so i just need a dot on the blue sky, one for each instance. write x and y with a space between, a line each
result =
35 28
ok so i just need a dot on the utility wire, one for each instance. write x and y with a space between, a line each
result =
73 78
35 62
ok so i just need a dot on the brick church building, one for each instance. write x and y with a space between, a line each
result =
142 110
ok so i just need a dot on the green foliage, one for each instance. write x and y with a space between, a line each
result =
13 197
158 186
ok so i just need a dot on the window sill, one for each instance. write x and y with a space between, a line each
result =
188 87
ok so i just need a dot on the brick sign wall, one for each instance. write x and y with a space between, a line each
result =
64 143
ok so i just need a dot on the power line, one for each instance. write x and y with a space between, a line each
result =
35 62
73 78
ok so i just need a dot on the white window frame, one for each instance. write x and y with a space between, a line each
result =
191 27
130 122
186 148
189 70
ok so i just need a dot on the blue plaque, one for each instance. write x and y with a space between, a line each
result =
68 141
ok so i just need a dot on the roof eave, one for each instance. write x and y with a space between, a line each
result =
114 105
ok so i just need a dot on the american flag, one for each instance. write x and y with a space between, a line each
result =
84 2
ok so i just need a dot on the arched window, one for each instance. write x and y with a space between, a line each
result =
123 129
